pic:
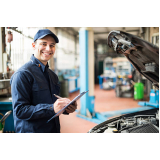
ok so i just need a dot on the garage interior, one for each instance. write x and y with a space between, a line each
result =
15 45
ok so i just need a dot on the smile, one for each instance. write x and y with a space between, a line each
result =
47 54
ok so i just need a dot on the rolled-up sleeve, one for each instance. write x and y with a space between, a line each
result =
21 87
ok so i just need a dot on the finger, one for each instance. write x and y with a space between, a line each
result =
75 102
68 111
66 99
63 100
71 109
73 106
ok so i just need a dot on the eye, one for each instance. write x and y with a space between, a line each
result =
43 44
52 46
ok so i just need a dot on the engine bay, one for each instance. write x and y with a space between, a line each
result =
143 122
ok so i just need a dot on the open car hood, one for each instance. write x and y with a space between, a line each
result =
143 55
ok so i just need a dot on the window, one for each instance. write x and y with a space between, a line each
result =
67 51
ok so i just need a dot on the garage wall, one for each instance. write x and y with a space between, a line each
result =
67 51
21 46
154 35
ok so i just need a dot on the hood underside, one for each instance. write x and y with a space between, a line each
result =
143 55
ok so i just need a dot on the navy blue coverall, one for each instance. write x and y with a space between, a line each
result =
33 86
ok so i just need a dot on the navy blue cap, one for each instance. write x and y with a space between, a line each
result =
44 32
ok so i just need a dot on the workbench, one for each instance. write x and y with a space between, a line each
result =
74 84
106 78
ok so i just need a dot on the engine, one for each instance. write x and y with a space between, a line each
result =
145 123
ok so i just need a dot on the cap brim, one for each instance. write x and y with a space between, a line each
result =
54 36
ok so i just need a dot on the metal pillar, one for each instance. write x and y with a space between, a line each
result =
86 42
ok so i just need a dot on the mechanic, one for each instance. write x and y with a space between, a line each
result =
33 86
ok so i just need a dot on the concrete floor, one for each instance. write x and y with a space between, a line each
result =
104 101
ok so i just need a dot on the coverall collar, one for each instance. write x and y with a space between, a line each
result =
38 63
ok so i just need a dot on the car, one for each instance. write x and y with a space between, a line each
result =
144 57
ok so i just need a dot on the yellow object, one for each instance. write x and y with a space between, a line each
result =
1 124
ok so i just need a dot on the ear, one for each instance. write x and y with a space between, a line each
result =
33 45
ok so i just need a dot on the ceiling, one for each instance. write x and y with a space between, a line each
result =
101 33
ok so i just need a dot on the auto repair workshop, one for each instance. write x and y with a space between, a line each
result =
111 72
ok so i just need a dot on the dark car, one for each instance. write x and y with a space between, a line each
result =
144 57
